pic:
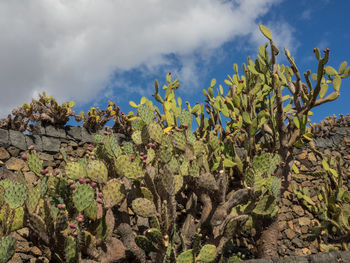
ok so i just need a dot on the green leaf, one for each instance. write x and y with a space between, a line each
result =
336 83
330 71
266 32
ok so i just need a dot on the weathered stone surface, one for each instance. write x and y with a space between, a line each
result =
15 259
15 164
289 233
55 131
17 139
51 144
14 151
74 132
304 221
34 140
4 155
4 137
86 136
115 251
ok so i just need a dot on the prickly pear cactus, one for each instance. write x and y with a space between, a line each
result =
7 248
83 197
15 195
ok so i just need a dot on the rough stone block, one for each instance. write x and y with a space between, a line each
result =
86 136
51 144
17 139
74 132
4 137
55 131
34 140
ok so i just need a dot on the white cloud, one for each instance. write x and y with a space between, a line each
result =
72 48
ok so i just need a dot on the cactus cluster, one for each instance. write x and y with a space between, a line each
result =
197 190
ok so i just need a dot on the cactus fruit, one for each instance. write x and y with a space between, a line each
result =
83 197
7 248
144 207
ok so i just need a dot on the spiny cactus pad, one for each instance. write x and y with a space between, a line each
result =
15 195
70 250
144 207
145 113
7 248
97 171
83 197
145 244
186 257
34 163
74 170
155 132
207 253
113 192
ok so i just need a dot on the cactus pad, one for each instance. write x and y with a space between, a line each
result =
34 163
179 140
136 137
186 257
70 250
155 132
146 114
145 244
83 197
75 170
154 235
185 118
97 171
15 195
7 248
113 192
144 207
207 253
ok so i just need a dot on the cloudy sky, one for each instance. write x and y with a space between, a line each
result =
93 51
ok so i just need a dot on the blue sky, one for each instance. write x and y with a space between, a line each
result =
94 51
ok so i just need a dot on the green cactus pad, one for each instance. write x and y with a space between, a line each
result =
154 222
91 211
98 138
15 195
136 137
146 193
191 138
193 169
125 167
144 207
70 250
249 177
151 154
174 165
137 124
83 197
61 220
145 113
113 192
128 147
266 206
165 154
154 235
178 182
179 140
18 219
185 118
2 195
214 142
97 171
75 171
186 257
198 148
184 168
112 147
207 253
155 132
34 163
145 244
7 248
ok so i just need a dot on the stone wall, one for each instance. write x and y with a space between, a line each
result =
296 222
